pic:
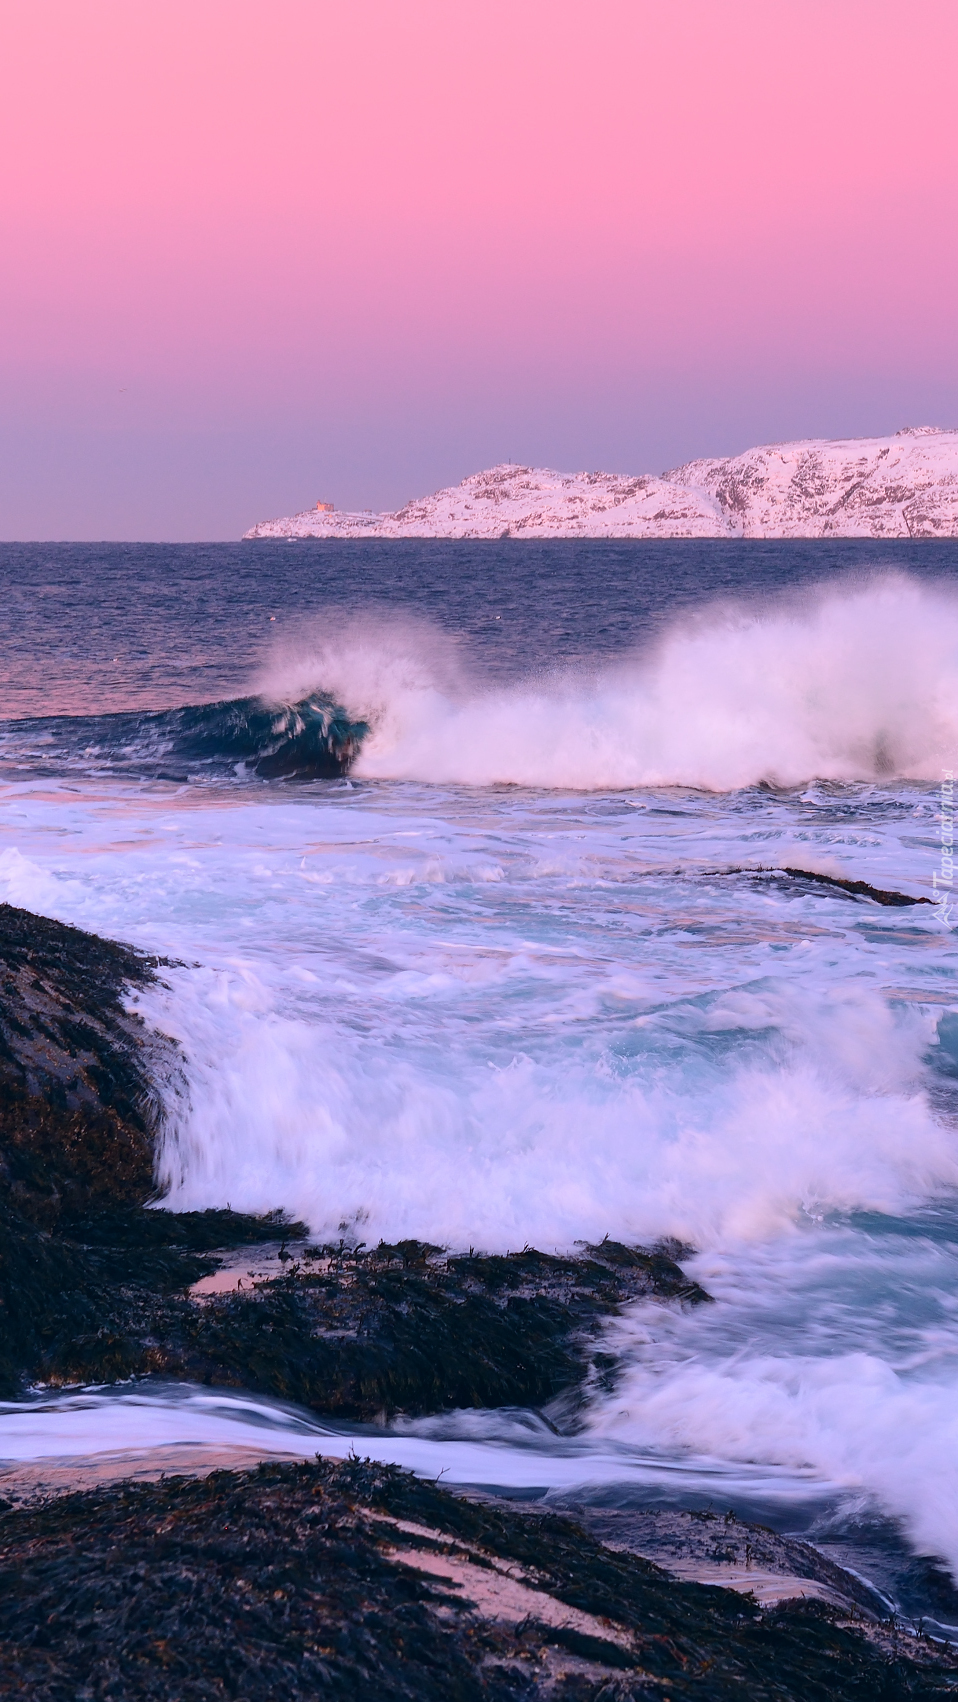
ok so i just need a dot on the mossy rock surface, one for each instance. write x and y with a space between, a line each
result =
406 1328
285 1583
359 1333
77 1103
94 1304
353 1581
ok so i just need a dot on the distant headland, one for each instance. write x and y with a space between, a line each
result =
904 486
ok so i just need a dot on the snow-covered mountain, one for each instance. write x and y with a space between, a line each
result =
526 502
904 486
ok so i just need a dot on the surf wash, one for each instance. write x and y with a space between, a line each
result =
943 882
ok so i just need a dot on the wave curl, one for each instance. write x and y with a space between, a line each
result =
309 739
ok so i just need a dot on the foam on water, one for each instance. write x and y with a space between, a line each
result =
510 1450
474 1149
492 1027
833 1352
856 682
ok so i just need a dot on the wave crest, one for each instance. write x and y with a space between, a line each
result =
311 738
856 683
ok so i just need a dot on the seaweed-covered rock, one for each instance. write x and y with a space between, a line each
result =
717 1548
357 1581
354 1332
94 1305
408 1328
84 1269
77 1105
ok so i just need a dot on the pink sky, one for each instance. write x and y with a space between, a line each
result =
259 253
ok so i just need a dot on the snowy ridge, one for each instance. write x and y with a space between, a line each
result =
905 486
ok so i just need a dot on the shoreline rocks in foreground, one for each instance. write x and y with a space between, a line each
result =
359 1581
77 1104
352 1580
94 1286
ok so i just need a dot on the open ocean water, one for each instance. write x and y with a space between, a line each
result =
524 974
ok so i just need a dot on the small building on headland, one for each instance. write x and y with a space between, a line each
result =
325 508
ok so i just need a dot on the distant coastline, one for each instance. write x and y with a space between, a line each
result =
903 486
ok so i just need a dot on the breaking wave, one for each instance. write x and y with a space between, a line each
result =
855 683
859 683
312 738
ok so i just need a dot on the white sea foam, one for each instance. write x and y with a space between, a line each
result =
852 683
481 1028
822 1113
833 1353
110 1428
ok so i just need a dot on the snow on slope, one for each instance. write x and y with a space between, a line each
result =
868 487
526 502
904 486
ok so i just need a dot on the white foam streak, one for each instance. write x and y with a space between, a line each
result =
507 1017
831 1353
112 1430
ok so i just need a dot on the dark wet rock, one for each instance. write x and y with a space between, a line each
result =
858 889
854 889
366 1333
77 1104
359 1581
297 1582
360 1333
84 1269
86 1305
714 1543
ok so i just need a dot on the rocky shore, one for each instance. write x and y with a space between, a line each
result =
351 1580
360 1581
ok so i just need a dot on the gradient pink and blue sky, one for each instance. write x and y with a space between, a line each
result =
259 253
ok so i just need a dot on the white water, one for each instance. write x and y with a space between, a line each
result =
487 1024
509 1451
853 684
492 1016
836 1354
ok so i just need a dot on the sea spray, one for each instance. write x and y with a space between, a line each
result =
858 682
831 1352
854 683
